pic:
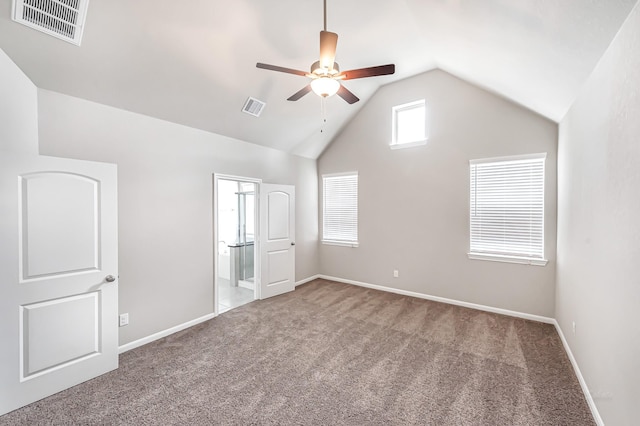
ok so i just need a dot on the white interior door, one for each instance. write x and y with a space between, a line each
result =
58 271
277 239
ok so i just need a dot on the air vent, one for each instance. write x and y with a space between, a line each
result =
253 107
63 19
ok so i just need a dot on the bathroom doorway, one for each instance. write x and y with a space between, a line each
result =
236 239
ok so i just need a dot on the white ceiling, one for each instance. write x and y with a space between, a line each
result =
193 62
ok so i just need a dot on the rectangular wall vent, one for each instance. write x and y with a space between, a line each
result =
63 19
253 107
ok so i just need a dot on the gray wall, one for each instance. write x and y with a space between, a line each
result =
414 202
599 229
165 187
18 109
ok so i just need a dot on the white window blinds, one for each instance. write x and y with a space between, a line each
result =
340 208
507 206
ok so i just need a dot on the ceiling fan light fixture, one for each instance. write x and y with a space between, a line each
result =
325 86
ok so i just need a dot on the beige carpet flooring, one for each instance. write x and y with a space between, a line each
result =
334 354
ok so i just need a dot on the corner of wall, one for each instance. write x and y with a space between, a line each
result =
18 109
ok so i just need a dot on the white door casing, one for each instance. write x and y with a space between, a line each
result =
217 266
58 245
277 239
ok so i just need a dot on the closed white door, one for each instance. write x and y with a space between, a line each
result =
58 275
277 239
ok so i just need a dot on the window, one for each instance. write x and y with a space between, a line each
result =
409 125
507 209
340 209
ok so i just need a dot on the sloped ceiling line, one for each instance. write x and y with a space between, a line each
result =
196 66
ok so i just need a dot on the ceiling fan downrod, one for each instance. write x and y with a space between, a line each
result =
325 14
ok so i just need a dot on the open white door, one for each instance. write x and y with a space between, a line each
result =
58 275
277 239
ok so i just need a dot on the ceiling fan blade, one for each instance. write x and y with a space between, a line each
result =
300 93
345 94
368 72
281 69
328 44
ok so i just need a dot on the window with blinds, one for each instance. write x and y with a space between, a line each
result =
507 209
340 209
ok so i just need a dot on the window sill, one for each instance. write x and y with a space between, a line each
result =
408 144
507 259
340 243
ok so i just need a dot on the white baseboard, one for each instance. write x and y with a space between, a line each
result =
159 335
583 383
306 280
516 314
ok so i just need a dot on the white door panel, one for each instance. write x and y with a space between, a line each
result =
278 266
277 226
278 203
60 331
58 242
59 227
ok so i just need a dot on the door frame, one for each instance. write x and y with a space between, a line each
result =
256 250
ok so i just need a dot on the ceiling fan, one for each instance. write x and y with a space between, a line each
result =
325 73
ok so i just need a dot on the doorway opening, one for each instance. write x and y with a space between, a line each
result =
236 239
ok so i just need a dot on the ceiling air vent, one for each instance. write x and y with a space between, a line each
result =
253 107
63 19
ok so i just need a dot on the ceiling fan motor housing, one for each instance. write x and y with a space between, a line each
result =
316 69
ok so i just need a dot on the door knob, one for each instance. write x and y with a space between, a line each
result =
292 243
109 278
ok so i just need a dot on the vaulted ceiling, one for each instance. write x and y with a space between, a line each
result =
193 62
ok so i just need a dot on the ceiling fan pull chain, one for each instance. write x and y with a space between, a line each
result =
323 113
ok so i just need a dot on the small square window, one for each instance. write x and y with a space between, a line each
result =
409 124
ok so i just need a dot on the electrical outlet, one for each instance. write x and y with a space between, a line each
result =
124 319
396 274
574 327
